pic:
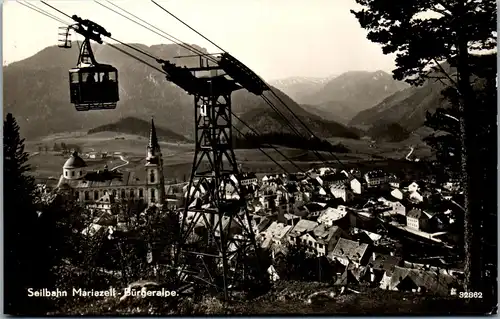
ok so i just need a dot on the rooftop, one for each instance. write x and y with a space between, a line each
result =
106 179
303 226
74 161
349 249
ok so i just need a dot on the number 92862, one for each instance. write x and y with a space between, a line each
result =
470 295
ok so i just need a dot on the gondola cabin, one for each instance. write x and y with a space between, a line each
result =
94 87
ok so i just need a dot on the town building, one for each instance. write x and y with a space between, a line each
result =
376 178
350 252
247 179
342 191
417 219
90 186
356 185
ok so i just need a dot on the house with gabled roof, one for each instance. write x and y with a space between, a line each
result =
342 191
330 215
273 235
357 185
334 179
302 227
106 204
347 251
417 219
376 178
418 280
327 238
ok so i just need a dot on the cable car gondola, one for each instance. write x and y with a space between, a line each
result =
93 86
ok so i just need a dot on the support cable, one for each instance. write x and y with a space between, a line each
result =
279 99
187 25
275 148
260 149
165 35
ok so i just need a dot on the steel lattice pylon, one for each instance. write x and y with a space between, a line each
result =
217 244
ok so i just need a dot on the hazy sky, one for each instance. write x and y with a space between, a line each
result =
276 38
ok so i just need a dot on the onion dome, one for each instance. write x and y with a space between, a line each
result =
74 161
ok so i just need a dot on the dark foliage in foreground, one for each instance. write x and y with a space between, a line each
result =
459 29
27 257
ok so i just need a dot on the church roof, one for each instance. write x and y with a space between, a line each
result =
75 161
107 179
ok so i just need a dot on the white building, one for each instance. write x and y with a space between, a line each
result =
413 187
342 191
331 215
397 193
356 186
376 178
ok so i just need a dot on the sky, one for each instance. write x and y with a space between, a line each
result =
275 38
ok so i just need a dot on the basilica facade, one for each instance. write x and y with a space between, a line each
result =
90 187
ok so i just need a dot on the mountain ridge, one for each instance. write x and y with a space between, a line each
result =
351 92
407 108
298 87
36 91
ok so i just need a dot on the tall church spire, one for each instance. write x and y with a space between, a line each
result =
153 139
154 169
153 150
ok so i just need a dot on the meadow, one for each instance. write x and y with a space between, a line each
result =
178 157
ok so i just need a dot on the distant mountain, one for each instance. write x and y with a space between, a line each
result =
135 126
407 108
36 92
389 132
351 92
299 87
265 120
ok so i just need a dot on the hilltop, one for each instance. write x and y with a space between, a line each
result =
135 126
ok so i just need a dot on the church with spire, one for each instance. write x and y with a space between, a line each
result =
106 186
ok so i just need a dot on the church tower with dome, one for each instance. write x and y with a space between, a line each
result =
74 168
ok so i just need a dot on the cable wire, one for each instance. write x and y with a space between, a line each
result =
154 67
41 11
136 58
187 25
35 8
54 8
273 147
164 35
294 130
260 149
290 125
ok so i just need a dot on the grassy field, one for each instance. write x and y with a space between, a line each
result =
178 157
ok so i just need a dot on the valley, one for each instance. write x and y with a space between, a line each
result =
177 157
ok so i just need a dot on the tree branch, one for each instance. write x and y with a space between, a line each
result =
445 73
